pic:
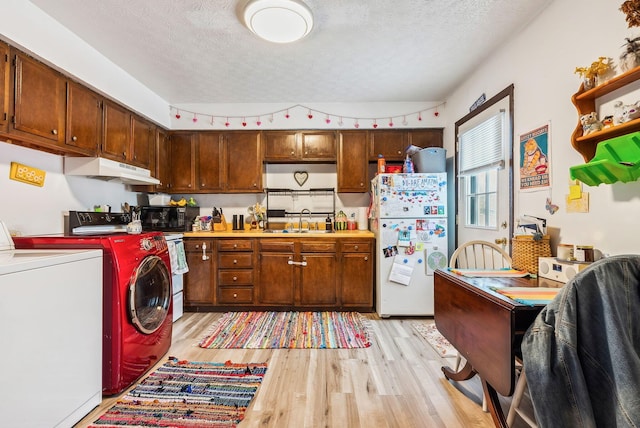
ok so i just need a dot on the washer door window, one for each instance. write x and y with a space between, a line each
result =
149 294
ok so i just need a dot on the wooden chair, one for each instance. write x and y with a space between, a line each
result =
479 255
518 394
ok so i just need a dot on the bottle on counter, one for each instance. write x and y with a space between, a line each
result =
327 223
407 168
381 164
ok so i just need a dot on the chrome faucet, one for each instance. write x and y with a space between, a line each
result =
308 212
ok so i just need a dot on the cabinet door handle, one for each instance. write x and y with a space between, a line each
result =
204 254
235 295
235 278
291 262
74 138
235 262
366 258
355 247
54 131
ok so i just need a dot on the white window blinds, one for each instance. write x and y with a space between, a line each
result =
481 146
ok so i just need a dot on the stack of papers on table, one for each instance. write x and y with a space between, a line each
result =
504 273
529 295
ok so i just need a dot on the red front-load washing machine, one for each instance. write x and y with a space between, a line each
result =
137 297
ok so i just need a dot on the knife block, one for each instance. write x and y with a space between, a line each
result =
220 226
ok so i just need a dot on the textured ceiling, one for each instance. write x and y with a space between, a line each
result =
198 51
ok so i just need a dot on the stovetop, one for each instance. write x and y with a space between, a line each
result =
96 223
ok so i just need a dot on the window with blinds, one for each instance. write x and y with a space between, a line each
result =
481 154
481 147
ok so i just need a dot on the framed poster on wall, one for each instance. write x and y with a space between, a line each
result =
535 159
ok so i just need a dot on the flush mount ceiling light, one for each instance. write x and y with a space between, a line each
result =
278 21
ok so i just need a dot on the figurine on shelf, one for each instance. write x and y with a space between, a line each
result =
607 121
590 123
630 58
618 108
623 113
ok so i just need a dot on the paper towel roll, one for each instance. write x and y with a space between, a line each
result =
363 221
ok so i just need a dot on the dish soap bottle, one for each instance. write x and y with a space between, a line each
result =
327 224
407 168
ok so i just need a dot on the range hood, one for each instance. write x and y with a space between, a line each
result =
107 169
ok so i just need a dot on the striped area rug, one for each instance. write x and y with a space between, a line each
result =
188 394
265 330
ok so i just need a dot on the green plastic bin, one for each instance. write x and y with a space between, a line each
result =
617 159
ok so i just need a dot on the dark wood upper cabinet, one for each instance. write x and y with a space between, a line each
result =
182 153
352 165
243 162
143 144
431 137
39 104
5 86
117 132
163 160
299 146
390 144
280 146
318 145
209 161
84 119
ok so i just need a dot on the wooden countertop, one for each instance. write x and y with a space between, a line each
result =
263 234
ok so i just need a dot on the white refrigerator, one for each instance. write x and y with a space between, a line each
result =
409 219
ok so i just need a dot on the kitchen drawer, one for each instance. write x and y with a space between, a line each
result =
235 277
235 260
238 295
356 247
195 244
319 246
235 245
272 245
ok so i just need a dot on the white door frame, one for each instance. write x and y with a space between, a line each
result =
507 92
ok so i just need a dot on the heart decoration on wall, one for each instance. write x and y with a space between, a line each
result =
301 177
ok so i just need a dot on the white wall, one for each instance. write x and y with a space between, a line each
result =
33 210
540 62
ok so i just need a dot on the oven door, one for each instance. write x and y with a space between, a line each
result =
149 294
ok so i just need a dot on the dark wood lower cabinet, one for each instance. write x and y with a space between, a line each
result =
279 274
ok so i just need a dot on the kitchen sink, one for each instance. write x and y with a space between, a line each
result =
284 231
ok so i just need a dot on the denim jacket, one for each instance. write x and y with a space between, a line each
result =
581 355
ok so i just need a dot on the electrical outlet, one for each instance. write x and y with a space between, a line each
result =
27 174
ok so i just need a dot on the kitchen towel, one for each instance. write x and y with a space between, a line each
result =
177 257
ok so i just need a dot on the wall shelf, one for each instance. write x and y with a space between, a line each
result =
585 102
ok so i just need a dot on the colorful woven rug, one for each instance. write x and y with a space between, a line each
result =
188 394
264 330
437 341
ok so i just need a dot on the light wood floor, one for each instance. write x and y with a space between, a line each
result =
397 382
